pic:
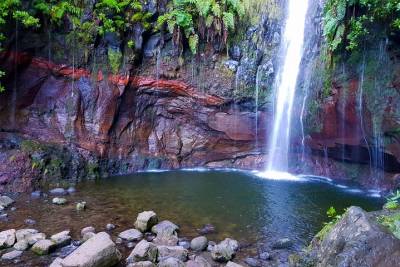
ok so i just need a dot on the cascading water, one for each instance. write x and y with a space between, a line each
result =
292 49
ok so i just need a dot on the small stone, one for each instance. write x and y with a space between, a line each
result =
145 220
184 243
143 251
81 206
197 261
252 262
6 201
199 243
89 229
30 221
207 229
21 245
71 190
232 264
131 235
11 255
211 245
43 247
59 201
7 238
225 250
265 256
282 243
110 226
58 191
61 239
149 236
13 209
118 240
36 194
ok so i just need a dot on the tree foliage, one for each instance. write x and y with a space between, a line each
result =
207 20
348 22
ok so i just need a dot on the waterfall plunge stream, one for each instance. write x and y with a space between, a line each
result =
285 86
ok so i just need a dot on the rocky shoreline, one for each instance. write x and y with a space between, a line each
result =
150 242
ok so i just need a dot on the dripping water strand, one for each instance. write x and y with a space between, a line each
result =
256 99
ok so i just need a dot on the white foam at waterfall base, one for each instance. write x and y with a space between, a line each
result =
286 81
283 176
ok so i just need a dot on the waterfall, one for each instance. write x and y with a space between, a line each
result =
285 84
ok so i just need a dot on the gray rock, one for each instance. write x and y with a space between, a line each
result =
29 221
199 243
252 262
184 243
225 250
36 194
7 238
43 247
119 241
355 240
11 255
56 263
177 252
198 261
232 264
171 262
141 264
265 256
59 201
144 251
23 234
71 190
21 245
87 236
61 239
97 251
282 243
167 233
80 206
207 229
146 220
211 245
32 239
6 201
89 229
58 191
131 235
110 226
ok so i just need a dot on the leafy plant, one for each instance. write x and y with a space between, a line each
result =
206 20
392 222
393 201
334 218
348 22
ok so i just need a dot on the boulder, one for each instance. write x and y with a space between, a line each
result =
11 255
43 247
87 236
131 235
61 239
143 251
199 243
171 262
177 252
7 238
99 250
145 220
5 201
141 264
167 233
225 250
198 261
355 240
56 263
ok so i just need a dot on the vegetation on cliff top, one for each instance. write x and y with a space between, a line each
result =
348 22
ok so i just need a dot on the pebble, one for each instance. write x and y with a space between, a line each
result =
265 256
30 221
207 229
88 229
110 227
81 206
71 190
36 194
58 191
